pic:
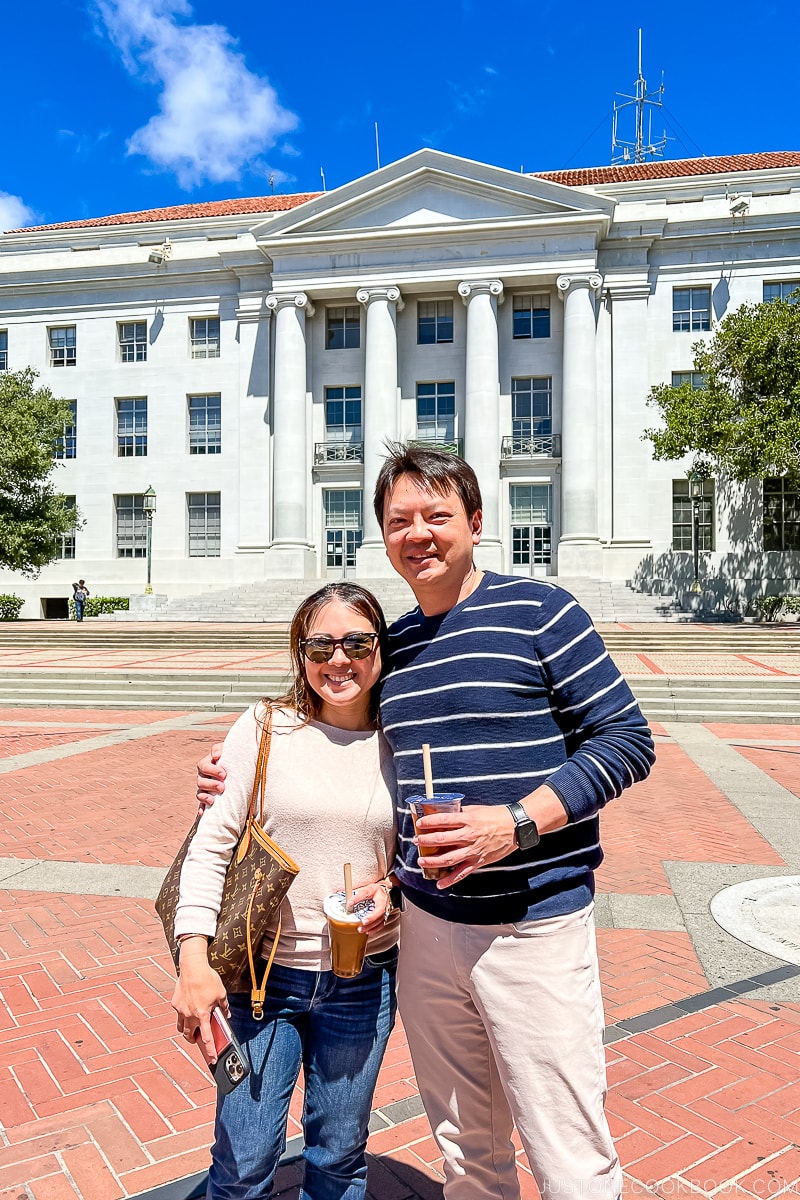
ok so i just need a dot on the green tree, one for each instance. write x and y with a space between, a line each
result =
33 514
745 422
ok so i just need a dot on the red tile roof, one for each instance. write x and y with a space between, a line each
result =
579 177
672 168
186 212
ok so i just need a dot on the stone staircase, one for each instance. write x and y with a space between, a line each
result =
276 600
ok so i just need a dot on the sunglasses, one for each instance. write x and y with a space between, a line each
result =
321 648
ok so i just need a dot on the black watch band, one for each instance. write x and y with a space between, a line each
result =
526 831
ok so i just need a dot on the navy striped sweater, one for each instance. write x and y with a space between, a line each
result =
512 688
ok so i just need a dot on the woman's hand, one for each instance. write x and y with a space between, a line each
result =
379 893
210 777
198 991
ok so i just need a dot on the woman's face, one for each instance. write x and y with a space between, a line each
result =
343 684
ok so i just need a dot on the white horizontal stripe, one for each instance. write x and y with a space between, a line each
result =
521 582
458 633
615 789
568 646
449 687
596 696
440 662
413 781
562 612
482 716
484 746
633 703
502 604
561 683
498 869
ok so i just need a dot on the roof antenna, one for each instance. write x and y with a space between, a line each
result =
271 184
638 150
377 147
322 174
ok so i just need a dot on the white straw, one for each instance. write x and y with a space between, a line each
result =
426 766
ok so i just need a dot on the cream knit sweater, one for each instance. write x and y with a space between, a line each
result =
329 799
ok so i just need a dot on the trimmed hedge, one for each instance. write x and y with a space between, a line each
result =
10 606
98 606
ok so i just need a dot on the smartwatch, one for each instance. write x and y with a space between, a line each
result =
526 831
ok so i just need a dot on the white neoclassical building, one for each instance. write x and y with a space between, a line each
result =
249 359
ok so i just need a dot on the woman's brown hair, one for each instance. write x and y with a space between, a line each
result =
303 699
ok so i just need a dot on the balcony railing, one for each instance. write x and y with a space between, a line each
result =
456 446
548 446
338 452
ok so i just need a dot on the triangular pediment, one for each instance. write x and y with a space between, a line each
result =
429 190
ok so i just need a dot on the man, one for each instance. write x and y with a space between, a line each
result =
525 714
80 594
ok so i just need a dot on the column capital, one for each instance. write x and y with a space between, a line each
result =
365 295
277 300
590 279
480 287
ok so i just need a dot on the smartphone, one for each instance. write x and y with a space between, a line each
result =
232 1065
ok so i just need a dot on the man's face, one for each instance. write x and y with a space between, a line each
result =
429 538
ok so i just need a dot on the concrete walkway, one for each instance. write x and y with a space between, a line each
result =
99 1099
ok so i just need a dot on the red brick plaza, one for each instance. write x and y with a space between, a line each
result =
99 1099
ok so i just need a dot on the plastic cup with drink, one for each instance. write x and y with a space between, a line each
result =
432 804
348 944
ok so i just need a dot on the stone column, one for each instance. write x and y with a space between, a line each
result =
482 408
579 547
291 554
379 412
253 476
631 456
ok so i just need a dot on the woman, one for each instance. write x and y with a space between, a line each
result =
329 799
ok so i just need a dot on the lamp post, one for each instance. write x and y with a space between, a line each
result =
696 490
149 506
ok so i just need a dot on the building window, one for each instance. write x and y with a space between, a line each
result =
67 445
696 378
63 346
682 518
436 412
342 527
66 542
691 309
343 415
131 527
3 349
205 424
782 291
531 414
781 515
532 316
204 524
434 322
132 427
343 328
205 337
132 341
531 524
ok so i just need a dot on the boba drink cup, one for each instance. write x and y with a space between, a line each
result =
348 945
429 806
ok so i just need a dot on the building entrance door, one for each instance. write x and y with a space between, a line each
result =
531 529
343 531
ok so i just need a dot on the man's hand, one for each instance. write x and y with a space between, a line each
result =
210 777
482 834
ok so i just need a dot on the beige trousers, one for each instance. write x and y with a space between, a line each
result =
505 1026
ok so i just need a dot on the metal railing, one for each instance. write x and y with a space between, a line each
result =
338 452
456 446
548 446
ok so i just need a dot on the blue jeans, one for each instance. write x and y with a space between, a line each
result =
337 1030
79 609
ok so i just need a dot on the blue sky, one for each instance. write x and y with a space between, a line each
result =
118 105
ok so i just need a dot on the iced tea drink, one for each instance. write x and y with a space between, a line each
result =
348 946
428 806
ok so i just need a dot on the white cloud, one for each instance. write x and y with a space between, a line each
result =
216 117
14 212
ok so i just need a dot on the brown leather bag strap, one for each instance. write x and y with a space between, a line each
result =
260 779
259 991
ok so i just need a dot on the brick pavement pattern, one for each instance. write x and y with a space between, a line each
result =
99 1099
